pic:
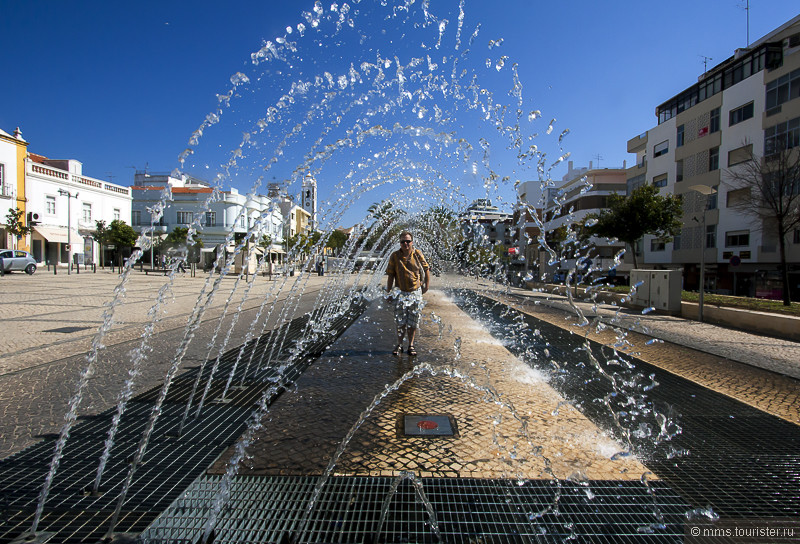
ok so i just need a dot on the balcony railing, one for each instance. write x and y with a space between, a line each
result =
57 174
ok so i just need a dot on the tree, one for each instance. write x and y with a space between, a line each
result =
385 225
14 223
300 244
178 237
121 234
767 189
101 235
337 240
265 242
644 211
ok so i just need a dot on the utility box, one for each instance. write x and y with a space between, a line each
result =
660 289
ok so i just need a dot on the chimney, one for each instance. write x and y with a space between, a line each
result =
590 165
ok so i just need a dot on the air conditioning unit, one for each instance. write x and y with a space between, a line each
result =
33 217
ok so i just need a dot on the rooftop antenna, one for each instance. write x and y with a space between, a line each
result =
598 157
110 176
747 17
705 63
747 10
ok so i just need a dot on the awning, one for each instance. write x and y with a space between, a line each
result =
58 234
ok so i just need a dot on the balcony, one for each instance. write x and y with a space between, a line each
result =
637 143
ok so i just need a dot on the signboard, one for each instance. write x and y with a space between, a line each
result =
702 132
735 260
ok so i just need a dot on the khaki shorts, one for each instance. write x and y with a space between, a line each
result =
408 308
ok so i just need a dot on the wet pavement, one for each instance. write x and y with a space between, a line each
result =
500 408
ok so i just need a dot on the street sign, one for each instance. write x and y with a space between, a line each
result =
735 260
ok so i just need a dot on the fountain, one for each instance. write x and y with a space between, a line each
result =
398 104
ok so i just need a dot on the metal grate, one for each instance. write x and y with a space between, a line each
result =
272 509
171 464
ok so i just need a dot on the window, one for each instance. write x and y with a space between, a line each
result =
116 214
679 170
136 218
211 219
714 124
680 136
711 236
184 218
676 242
737 197
50 205
635 182
660 181
87 212
742 113
782 136
782 90
711 200
657 245
740 154
713 159
661 149
737 238
241 221
4 190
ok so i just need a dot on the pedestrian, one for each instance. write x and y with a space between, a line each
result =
410 271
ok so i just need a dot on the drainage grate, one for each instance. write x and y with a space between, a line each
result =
429 425
68 329
272 509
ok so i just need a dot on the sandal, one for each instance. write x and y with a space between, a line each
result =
398 349
412 351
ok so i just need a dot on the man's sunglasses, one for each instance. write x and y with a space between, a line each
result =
405 241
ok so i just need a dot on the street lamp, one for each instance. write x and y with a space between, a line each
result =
69 196
708 191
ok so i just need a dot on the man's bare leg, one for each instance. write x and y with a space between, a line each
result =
401 332
412 333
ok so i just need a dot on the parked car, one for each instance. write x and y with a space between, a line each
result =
14 259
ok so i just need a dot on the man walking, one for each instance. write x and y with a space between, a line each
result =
410 271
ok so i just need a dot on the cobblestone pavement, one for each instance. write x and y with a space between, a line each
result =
499 411
757 370
40 367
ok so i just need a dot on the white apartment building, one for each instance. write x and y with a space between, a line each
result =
66 205
748 105
486 223
584 191
222 215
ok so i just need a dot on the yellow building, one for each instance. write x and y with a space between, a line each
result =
13 150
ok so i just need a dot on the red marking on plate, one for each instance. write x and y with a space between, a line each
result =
427 425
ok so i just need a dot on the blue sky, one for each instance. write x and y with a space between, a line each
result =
122 85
